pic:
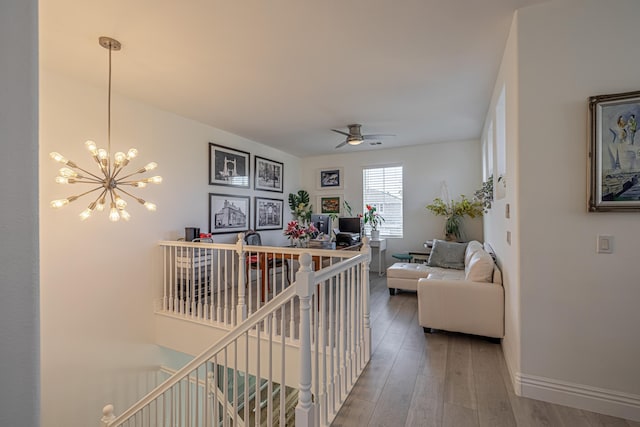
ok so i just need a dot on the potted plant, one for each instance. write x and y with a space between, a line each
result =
454 213
374 219
300 207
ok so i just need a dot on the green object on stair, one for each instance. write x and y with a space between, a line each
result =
403 257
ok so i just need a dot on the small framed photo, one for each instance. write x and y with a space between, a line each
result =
269 213
228 166
330 179
268 174
228 213
329 204
614 153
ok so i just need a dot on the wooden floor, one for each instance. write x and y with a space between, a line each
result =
441 379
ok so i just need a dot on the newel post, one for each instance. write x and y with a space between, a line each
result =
241 311
366 249
304 290
107 415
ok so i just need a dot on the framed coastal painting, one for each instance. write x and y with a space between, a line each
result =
228 213
329 204
330 179
228 166
268 174
269 213
614 152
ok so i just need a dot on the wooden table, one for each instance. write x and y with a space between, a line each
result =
266 258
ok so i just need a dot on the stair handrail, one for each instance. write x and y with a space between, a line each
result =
302 289
260 315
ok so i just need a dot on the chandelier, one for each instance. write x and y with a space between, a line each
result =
110 181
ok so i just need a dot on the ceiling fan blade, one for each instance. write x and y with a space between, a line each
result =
343 143
377 136
341 132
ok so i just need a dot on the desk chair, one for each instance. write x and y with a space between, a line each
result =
253 259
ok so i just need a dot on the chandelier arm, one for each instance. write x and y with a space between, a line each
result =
93 181
130 195
131 174
88 173
116 171
86 192
104 190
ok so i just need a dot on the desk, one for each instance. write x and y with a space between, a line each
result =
379 246
265 259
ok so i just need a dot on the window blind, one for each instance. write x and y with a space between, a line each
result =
382 188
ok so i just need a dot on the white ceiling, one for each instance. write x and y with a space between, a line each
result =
284 72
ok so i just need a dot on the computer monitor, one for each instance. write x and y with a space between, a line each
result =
350 224
322 223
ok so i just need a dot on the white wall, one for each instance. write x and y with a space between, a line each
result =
424 168
98 277
496 223
579 311
19 313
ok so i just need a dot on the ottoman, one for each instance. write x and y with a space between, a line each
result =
405 276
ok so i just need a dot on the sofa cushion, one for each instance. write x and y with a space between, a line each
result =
447 255
405 270
446 274
472 247
480 267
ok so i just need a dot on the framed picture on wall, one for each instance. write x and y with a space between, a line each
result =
329 204
614 154
228 213
330 179
269 213
228 166
268 174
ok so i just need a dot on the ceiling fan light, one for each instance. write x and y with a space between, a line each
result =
354 140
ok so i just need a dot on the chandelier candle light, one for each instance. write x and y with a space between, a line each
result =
108 181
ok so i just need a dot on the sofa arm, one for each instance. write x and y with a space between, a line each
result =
461 306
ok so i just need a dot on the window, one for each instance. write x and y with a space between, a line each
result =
382 188
501 145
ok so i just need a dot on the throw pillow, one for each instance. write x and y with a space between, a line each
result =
447 255
472 247
480 267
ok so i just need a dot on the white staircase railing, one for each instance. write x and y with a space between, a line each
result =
219 284
247 377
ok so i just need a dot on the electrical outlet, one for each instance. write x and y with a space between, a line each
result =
507 211
509 237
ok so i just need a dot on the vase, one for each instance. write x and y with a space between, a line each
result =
299 242
375 234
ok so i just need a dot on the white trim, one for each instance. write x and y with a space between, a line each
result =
595 399
510 360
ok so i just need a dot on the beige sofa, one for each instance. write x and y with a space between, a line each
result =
469 301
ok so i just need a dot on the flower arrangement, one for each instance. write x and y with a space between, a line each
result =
454 212
298 232
372 217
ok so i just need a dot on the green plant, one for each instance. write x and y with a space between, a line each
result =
347 208
455 212
485 194
300 207
372 217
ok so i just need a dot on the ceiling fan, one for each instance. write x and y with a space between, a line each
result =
355 136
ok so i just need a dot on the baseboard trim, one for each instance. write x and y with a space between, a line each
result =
604 401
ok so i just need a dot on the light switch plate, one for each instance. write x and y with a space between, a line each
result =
604 244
